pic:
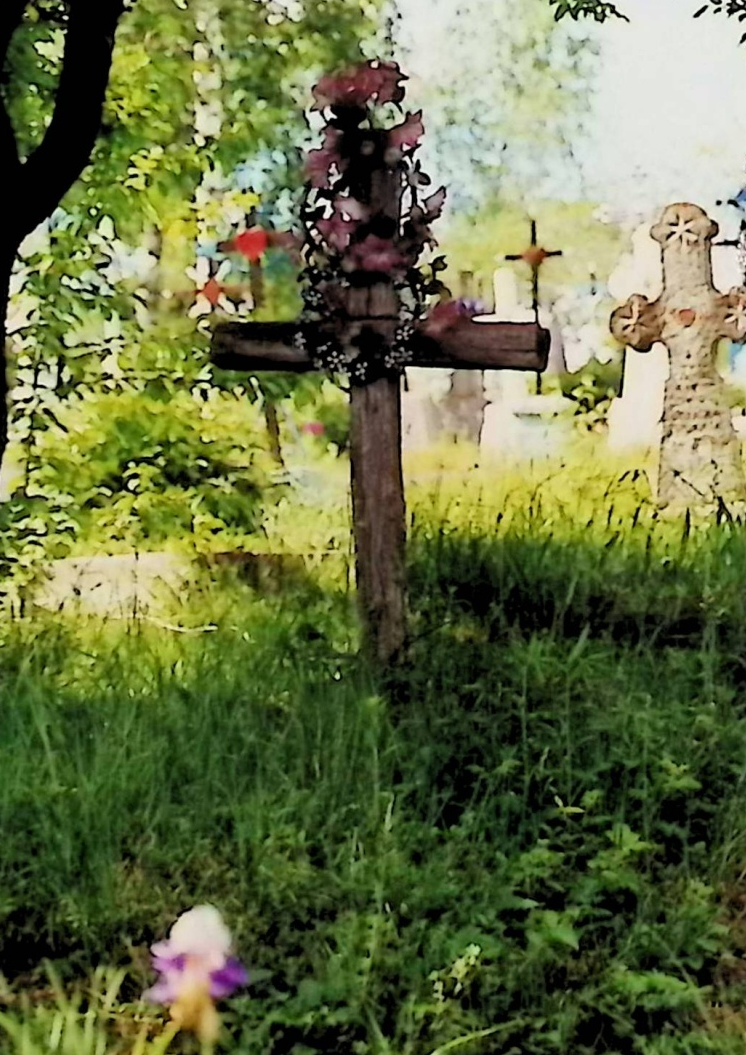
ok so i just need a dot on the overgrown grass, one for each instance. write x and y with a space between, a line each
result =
527 838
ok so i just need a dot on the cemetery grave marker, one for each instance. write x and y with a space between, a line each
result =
700 454
534 256
366 316
634 417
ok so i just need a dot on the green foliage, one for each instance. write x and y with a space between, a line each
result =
97 362
262 61
123 437
148 471
527 836
598 9
31 532
334 414
81 1022
592 389
507 93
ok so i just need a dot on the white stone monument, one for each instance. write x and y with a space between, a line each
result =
635 416
420 417
516 421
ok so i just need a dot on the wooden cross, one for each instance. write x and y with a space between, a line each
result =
534 256
379 518
700 455
360 216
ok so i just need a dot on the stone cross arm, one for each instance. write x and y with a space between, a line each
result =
641 323
462 345
689 305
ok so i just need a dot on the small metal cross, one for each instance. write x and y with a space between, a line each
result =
534 256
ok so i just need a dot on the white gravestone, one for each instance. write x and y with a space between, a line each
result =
516 421
420 417
635 416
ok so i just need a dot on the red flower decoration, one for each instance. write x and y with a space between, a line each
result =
211 291
251 244
449 313
337 231
407 135
319 163
433 206
359 166
375 254
376 80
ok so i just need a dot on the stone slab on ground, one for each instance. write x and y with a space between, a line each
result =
129 584
133 585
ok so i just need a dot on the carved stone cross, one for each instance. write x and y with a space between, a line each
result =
700 454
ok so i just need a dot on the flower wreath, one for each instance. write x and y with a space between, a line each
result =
349 242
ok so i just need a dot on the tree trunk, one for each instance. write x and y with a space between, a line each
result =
36 184
273 431
7 256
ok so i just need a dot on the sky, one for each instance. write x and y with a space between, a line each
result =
668 110
669 120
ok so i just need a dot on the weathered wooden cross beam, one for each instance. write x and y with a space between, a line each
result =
379 517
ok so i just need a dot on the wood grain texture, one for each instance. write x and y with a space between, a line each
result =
257 346
379 515
467 345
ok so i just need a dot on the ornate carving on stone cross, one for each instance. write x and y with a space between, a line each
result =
700 454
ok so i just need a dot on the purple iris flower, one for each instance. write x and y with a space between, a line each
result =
196 956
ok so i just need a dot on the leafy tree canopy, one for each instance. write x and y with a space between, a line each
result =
503 98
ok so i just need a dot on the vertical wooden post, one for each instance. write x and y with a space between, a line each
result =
269 408
378 508
379 515
272 423
256 282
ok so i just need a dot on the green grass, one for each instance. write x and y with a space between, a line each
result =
527 838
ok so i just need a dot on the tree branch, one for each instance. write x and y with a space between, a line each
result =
598 9
67 145
11 162
11 14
